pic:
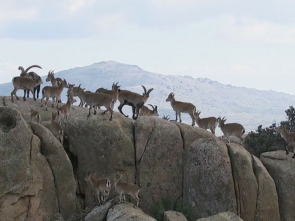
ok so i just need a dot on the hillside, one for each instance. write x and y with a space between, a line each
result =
251 107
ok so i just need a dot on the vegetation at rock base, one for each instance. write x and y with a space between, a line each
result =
168 203
267 139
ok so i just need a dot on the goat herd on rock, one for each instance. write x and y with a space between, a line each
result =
30 81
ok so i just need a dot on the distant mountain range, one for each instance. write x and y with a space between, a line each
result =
250 107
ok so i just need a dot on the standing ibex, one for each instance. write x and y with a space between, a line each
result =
54 92
54 126
101 186
145 111
135 100
55 82
289 137
183 107
25 83
114 93
206 123
231 129
33 75
94 100
64 111
126 188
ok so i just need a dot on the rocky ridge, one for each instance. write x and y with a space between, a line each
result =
40 178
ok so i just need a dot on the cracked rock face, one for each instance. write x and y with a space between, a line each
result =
26 181
281 167
166 159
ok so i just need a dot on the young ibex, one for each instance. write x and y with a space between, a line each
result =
97 100
181 107
206 123
231 129
114 93
25 83
101 186
54 92
145 111
289 137
64 111
35 116
135 100
55 82
33 75
126 188
55 127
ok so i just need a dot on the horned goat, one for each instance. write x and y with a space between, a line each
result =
76 94
135 100
33 75
231 129
54 126
25 83
206 123
289 137
101 186
54 92
126 188
181 107
64 111
114 93
55 82
35 115
94 100
145 111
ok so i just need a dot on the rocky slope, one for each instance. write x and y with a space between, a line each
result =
41 179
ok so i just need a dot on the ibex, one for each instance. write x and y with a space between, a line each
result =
101 186
181 107
55 82
135 100
206 123
97 100
64 110
166 117
35 116
145 111
33 75
114 93
76 94
126 188
289 137
231 129
55 127
25 83
54 92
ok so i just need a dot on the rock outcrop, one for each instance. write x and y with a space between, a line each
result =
27 189
188 165
225 216
208 182
127 212
281 167
253 201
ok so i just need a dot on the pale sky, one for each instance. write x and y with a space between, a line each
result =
243 43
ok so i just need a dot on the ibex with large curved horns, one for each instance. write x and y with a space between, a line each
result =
33 75
145 111
135 100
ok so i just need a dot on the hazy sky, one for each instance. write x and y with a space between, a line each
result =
243 43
